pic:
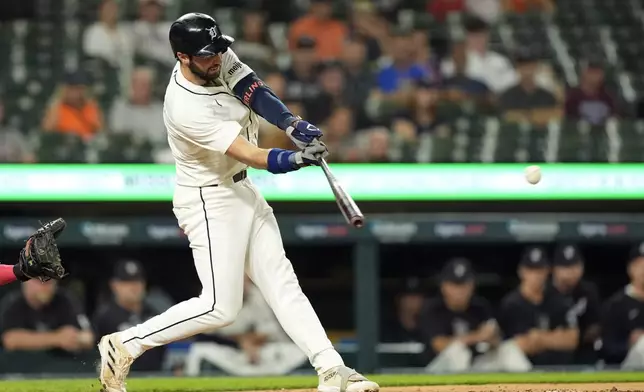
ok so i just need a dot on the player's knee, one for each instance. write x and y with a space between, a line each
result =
225 317
225 314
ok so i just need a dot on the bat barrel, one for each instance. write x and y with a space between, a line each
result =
347 206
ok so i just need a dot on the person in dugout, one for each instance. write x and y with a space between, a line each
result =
535 320
582 296
128 306
623 318
457 325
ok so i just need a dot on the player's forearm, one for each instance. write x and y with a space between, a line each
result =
592 333
486 333
11 273
259 160
6 274
528 343
470 339
86 339
275 160
440 343
245 152
27 340
256 94
562 340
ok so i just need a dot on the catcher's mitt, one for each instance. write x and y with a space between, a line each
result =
40 257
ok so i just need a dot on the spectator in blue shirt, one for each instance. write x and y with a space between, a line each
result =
402 71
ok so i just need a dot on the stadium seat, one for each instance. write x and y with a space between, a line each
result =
631 140
537 144
60 148
441 145
476 139
125 148
582 142
106 81
509 140
569 141
186 6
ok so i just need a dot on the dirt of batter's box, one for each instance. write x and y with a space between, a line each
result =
592 387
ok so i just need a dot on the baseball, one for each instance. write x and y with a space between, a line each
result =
533 174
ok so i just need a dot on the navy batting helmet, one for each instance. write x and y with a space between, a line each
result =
198 35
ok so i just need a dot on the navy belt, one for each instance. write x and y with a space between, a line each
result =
240 176
236 178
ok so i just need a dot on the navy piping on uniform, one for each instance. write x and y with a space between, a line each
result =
212 276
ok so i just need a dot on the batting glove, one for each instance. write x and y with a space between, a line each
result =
302 133
310 154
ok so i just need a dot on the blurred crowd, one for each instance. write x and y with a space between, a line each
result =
376 85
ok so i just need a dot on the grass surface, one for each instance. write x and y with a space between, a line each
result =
268 383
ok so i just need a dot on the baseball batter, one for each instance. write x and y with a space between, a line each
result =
211 110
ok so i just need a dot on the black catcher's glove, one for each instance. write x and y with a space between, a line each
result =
40 257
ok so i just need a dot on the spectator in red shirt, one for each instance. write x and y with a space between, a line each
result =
440 8
591 101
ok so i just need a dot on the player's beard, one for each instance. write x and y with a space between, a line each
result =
204 75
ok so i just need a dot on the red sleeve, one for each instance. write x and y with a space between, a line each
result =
6 274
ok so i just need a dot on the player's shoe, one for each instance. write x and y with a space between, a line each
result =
115 364
344 379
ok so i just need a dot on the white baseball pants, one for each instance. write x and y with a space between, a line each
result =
635 358
457 358
232 231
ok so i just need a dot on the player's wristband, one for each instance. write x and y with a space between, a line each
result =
288 122
279 161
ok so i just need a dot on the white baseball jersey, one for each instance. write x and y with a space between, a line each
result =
202 123
231 228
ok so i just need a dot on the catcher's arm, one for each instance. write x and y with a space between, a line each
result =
40 257
7 274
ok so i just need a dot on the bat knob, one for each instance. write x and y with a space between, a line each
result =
357 222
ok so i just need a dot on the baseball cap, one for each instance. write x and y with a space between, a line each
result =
129 270
567 255
305 42
534 257
457 270
637 251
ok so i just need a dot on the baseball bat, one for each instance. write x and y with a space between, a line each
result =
347 206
